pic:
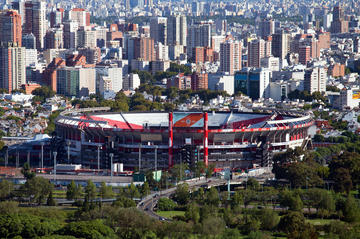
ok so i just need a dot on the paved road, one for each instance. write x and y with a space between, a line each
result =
148 203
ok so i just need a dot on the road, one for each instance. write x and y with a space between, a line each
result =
148 203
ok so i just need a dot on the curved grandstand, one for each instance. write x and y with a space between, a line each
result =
146 139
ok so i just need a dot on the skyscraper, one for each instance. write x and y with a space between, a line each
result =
12 66
339 25
56 17
177 30
198 35
158 29
230 56
315 80
35 21
257 49
267 27
280 45
10 27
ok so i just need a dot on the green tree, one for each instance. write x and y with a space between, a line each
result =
37 189
295 226
50 200
351 210
6 188
106 191
26 171
43 93
269 219
212 197
90 191
145 189
88 229
182 194
133 191
290 200
166 204
73 191
124 202
252 184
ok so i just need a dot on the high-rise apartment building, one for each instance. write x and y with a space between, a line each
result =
10 27
35 21
199 81
304 54
158 29
280 45
80 16
315 80
176 30
258 49
12 66
267 27
70 34
230 56
56 17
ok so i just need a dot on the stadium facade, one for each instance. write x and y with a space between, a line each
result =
161 139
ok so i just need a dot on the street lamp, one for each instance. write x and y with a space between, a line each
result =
42 154
98 156
6 156
68 143
139 157
55 153
156 147
111 166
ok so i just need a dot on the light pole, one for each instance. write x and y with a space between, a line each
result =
6 156
55 153
156 147
111 165
42 155
17 159
139 157
68 143
28 158
98 156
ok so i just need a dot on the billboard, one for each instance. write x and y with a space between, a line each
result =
182 119
356 94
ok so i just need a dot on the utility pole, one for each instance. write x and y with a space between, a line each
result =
98 156
111 166
28 158
55 153
7 156
139 157
17 159
42 155
156 157
68 143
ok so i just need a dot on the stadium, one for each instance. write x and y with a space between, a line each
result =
158 140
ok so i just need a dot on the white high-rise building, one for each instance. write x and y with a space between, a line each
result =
162 52
131 82
113 76
315 80
176 30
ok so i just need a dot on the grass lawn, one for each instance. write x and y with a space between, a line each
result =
170 214
320 221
